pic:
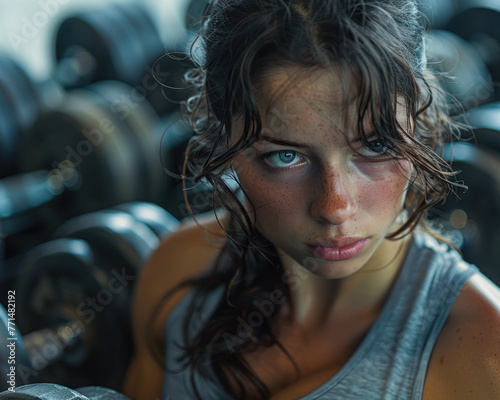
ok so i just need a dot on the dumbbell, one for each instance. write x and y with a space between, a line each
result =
459 69
19 105
114 41
485 123
478 22
73 306
120 42
472 215
21 100
161 222
436 13
99 148
73 295
50 391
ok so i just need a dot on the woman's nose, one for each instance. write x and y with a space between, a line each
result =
334 201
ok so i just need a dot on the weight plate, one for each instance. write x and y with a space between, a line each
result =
115 234
108 36
157 70
51 94
101 393
3 271
61 281
9 137
19 108
485 122
83 137
20 91
163 82
76 34
125 132
20 195
123 244
466 76
131 107
160 221
145 31
478 24
123 44
43 391
475 213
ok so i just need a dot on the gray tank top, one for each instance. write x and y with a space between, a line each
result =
392 359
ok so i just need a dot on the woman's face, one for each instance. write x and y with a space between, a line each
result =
320 203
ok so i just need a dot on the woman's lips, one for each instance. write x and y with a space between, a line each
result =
340 253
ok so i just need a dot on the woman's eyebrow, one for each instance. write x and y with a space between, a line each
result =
283 142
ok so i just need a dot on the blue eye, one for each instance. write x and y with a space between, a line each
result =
282 158
378 147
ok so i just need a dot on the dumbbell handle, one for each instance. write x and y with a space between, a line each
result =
42 348
47 346
76 68
27 191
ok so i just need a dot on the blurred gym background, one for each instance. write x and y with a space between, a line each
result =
88 182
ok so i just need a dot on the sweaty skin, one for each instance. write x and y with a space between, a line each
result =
315 197
312 193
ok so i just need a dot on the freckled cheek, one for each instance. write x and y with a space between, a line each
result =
386 195
383 186
273 201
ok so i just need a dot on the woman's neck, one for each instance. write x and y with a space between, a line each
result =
316 301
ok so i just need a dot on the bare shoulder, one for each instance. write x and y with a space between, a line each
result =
465 363
181 256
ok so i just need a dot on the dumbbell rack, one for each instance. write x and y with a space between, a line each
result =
101 119
86 173
74 287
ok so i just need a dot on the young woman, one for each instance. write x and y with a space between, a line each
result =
318 279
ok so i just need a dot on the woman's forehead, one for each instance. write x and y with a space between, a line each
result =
289 93
291 98
295 86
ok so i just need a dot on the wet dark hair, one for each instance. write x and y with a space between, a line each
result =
377 42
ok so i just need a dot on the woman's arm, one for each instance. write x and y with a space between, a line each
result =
183 255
